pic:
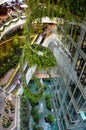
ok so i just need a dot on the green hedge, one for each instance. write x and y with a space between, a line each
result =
11 62
48 102
24 114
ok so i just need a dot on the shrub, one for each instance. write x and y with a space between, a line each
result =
24 110
40 128
6 122
34 127
48 102
33 111
36 117
49 118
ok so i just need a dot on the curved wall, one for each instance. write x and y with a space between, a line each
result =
3 1
12 24
19 21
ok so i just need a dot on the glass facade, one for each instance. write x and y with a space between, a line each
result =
79 65
83 47
75 32
70 88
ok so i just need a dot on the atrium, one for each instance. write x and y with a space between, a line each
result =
42 65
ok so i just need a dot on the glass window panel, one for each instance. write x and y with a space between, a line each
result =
75 33
79 65
83 77
67 98
77 94
72 86
84 44
81 101
72 112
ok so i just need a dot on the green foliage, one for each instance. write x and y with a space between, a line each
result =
78 8
40 128
50 118
34 113
8 63
48 102
33 97
34 101
47 97
36 117
34 127
6 122
10 55
15 42
60 8
24 110
44 61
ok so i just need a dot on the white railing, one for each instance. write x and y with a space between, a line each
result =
12 24
3 1
19 21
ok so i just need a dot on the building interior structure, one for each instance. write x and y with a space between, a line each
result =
67 87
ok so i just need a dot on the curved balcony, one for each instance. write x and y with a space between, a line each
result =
12 24
19 21
3 1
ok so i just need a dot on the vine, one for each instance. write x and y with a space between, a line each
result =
35 11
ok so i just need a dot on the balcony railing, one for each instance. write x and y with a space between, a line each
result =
11 24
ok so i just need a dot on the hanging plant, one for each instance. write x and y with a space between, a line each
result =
37 55
40 56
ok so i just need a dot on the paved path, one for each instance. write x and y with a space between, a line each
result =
6 77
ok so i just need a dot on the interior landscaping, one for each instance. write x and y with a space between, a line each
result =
24 113
6 122
44 60
9 106
41 114
7 111
39 56
10 51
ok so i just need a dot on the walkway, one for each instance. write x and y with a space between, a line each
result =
6 77
11 24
